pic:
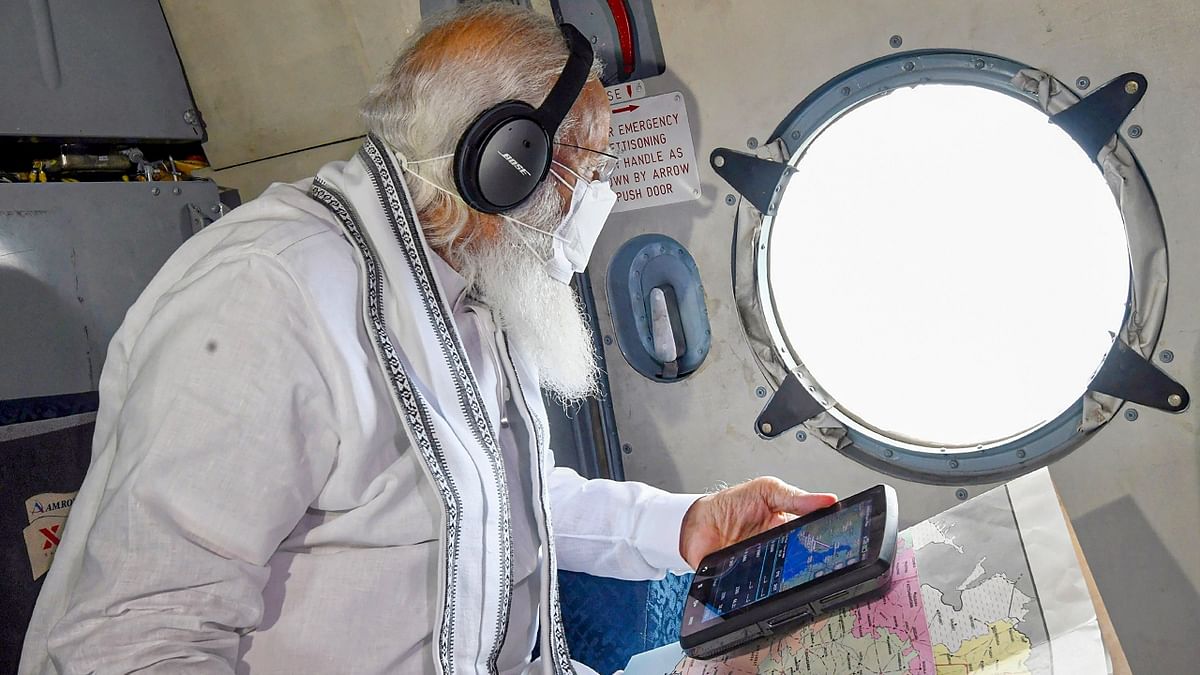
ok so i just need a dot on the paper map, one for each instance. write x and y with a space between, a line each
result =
964 601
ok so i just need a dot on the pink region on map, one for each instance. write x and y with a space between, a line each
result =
901 612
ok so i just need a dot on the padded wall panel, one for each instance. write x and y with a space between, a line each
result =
251 179
273 78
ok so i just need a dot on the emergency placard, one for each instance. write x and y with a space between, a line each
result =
657 164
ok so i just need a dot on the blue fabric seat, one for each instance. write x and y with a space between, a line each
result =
608 620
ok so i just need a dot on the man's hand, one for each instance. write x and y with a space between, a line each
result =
733 514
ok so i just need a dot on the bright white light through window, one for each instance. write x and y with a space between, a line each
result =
949 266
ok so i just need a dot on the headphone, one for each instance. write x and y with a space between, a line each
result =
506 152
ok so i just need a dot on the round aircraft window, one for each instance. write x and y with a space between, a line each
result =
948 267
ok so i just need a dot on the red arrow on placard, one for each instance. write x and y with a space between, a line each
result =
629 108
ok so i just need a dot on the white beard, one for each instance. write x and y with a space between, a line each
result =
537 312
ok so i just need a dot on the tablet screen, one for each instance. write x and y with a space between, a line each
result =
764 568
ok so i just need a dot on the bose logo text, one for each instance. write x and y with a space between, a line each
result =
515 163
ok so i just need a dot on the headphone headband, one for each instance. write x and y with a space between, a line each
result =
570 82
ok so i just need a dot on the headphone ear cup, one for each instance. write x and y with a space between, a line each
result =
502 157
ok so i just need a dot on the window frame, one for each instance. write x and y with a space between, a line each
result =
1000 460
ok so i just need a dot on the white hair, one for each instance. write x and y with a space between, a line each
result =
456 66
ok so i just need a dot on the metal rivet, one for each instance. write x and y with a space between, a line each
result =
608 339
1131 415
752 142
895 41
1174 400
190 116
1135 131
979 64
215 208
730 200
719 160
761 392
1083 82
766 427
1131 87
889 453
909 66
961 494
155 191
627 448
795 135
954 464
1166 356
801 436
594 39
845 91
176 190
1021 454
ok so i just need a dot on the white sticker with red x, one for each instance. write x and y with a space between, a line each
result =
47 515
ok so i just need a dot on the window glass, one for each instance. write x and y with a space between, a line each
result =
949 266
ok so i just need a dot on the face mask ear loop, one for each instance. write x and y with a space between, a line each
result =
534 229
404 167
561 179
568 170
404 161
536 254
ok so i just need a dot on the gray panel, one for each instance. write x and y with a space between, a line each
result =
92 70
584 436
595 19
73 258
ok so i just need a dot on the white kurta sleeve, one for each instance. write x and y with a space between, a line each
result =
618 529
223 439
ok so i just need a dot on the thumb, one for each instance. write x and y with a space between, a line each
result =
784 498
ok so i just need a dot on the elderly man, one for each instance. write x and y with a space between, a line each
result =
321 446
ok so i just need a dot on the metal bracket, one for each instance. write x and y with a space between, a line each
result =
1126 375
758 180
197 219
1094 120
791 406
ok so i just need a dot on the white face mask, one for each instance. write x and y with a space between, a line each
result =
576 235
574 238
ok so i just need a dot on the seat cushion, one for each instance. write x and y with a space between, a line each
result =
608 620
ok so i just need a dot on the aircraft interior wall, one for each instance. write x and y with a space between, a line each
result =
1132 488
277 107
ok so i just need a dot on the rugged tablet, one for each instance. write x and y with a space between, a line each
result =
791 574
